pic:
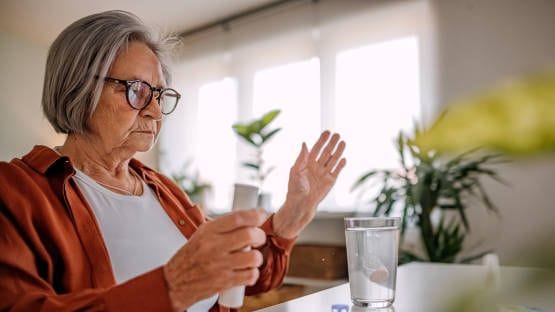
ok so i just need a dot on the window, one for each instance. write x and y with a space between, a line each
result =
377 95
365 75
216 144
295 90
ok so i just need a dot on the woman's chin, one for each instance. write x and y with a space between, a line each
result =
142 146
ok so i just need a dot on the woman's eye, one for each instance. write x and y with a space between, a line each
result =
120 89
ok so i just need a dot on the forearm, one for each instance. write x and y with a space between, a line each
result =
147 292
290 220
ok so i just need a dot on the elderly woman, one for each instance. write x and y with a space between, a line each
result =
86 227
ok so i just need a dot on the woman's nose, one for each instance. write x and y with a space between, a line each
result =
153 108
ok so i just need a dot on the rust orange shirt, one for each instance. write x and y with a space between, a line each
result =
53 257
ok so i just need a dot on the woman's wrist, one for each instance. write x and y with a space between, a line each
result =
178 304
289 220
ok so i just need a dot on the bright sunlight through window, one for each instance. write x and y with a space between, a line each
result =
216 147
377 95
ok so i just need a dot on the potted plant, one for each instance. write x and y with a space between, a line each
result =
191 184
516 118
427 184
257 134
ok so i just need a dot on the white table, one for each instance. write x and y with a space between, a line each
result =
429 287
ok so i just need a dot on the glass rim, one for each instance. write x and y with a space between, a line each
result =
372 222
373 218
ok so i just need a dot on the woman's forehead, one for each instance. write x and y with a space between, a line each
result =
138 61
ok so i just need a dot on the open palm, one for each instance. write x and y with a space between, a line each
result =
310 179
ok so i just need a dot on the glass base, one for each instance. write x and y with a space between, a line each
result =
371 304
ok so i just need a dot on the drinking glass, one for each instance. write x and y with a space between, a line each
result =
372 254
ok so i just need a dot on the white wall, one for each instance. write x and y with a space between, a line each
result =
481 42
22 124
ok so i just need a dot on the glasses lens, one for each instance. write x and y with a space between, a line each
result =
138 94
168 101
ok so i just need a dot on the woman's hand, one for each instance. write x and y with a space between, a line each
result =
213 260
310 179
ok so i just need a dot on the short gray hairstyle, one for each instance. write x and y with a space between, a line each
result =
84 51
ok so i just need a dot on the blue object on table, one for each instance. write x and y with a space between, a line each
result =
339 308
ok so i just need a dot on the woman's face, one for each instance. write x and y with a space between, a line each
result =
115 125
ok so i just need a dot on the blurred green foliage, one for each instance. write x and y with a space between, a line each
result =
429 181
516 118
190 183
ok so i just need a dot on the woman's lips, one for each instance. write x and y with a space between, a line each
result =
146 132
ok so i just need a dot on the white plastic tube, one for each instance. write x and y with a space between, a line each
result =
244 197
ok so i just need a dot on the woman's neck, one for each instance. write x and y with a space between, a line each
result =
108 166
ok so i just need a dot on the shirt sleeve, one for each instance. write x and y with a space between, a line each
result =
24 288
276 260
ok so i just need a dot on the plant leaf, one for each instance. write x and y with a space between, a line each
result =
363 179
268 117
241 129
485 198
270 135
251 165
407 256
244 132
476 256
460 208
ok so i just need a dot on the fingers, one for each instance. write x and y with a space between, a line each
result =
315 151
236 220
332 161
210 261
327 152
339 167
247 277
302 158
243 237
331 153
245 260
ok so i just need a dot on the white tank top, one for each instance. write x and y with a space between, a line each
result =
138 233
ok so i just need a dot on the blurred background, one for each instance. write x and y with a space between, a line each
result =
366 69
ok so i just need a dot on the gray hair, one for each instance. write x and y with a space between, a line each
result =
84 51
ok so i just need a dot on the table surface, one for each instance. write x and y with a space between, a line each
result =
431 287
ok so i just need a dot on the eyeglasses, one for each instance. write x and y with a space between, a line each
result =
139 94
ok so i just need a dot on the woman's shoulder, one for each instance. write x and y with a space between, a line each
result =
11 172
28 178
35 163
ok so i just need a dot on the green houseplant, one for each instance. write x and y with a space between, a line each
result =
429 183
516 118
257 134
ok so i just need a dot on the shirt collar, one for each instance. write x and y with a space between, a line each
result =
41 158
